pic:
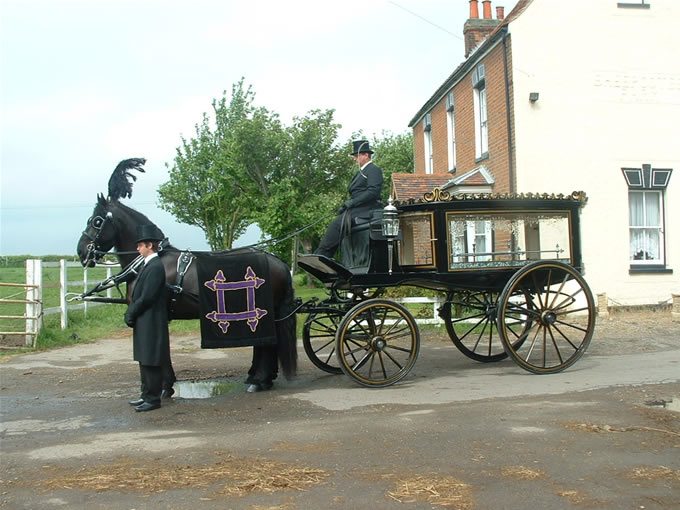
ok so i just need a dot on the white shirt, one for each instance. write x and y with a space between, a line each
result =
147 259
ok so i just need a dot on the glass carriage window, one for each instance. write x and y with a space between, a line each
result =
416 247
500 239
646 232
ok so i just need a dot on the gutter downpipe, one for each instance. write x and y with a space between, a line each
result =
508 117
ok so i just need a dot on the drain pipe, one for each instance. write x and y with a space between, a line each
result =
508 117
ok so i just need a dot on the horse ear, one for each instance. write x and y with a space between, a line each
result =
101 200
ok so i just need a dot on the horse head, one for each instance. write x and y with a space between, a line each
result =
99 235
111 224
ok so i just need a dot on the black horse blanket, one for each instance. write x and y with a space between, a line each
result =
236 300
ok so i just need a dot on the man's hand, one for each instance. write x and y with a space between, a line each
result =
129 321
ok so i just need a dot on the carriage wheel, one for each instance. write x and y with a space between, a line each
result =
377 342
318 338
561 311
470 318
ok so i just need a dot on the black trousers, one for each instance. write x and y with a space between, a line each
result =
152 383
169 377
331 239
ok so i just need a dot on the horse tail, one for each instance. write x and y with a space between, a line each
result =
286 331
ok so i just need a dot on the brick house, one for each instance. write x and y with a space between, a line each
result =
564 96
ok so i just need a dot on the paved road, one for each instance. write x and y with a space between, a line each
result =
453 434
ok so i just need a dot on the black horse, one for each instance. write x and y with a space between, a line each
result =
114 225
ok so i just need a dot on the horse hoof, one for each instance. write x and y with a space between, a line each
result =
255 388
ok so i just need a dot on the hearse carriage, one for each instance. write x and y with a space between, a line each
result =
509 265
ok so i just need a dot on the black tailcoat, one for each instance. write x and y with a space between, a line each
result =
148 311
364 191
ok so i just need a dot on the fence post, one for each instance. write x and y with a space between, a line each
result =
34 300
63 289
109 291
85 290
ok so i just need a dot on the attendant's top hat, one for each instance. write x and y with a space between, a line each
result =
149 233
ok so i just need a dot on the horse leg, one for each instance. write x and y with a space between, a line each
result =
263 369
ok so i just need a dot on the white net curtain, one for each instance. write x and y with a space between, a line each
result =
645 225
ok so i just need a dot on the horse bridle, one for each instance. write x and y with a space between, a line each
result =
97 223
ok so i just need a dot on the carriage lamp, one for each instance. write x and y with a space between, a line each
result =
390 221
390 229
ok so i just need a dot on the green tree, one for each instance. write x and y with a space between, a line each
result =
394 154
307 186
220 178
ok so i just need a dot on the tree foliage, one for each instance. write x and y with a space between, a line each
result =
394 154
220 177
243 166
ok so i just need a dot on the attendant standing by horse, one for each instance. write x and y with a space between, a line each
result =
148 315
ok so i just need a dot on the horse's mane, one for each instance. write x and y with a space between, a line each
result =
120 185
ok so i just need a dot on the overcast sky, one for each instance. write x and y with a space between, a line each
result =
87 83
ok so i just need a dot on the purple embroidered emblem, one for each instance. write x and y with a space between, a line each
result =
252 314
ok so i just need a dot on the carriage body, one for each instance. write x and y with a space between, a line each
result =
511 269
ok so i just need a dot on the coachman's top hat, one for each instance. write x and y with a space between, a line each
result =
360 146
148 233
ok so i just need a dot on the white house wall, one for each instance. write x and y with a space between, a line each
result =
608 81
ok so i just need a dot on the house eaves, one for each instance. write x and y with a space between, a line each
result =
477 55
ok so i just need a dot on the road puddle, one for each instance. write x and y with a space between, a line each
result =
206 388
671 405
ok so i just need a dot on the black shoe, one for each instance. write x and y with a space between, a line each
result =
137 402
167 393
147 406
257 387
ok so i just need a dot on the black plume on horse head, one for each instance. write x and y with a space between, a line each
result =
120 185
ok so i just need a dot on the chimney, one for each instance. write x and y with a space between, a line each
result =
474 9
487 8
475 29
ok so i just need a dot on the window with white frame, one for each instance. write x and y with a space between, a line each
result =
479 100
427 134
646 227
451 131
646 219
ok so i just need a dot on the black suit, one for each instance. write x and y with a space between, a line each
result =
364 191
148 315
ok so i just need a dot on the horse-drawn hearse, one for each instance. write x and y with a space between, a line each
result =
509 265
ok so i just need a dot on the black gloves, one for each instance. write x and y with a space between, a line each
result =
129 321
347 205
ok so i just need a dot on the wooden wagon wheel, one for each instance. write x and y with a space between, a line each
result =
377 342
561 311
318 338
470 318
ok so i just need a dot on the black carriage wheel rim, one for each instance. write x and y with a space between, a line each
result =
377 343
560 332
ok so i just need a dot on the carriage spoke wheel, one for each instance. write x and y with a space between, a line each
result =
377 342
561 311
470 318
318 338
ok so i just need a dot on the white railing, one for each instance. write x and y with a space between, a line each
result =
436 303
65 284
32 296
